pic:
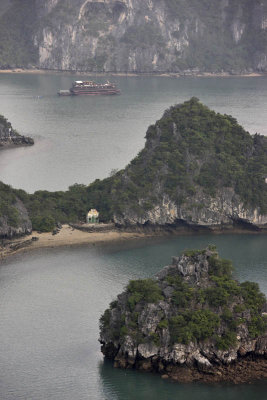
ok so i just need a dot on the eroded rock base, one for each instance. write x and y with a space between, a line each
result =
245 370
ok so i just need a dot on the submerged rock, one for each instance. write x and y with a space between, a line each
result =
193 321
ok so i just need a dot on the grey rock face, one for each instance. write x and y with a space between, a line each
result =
148 35
191 272
23 227
223 209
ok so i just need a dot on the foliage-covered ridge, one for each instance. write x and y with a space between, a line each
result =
193 152
198 167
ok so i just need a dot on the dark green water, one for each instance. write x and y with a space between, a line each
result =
79 139
51 302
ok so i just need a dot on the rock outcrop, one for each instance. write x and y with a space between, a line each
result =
22 226
14 218
135 36
9 137
192 322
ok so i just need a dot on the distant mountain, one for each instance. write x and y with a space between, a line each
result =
135 36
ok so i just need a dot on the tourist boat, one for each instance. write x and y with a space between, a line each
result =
90 88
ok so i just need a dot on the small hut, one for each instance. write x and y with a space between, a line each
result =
92 216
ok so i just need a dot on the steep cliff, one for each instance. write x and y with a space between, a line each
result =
14 218
18 20
10 137
193 321
135 36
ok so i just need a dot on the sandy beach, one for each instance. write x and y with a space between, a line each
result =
67 236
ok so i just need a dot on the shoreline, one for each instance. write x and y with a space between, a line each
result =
68 236
246 370
132 74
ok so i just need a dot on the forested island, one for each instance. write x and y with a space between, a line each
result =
193 321
199 170
148 36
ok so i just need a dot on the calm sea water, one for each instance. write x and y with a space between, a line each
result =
79 139
51 301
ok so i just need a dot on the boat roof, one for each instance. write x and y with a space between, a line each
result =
78 81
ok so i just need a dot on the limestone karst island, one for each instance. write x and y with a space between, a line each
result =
133 199
191 322
199 171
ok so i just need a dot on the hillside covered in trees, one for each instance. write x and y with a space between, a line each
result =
198 169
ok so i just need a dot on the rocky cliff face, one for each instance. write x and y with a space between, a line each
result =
192 322
198 169
10 137
14 218
222 211
15 221
145 36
